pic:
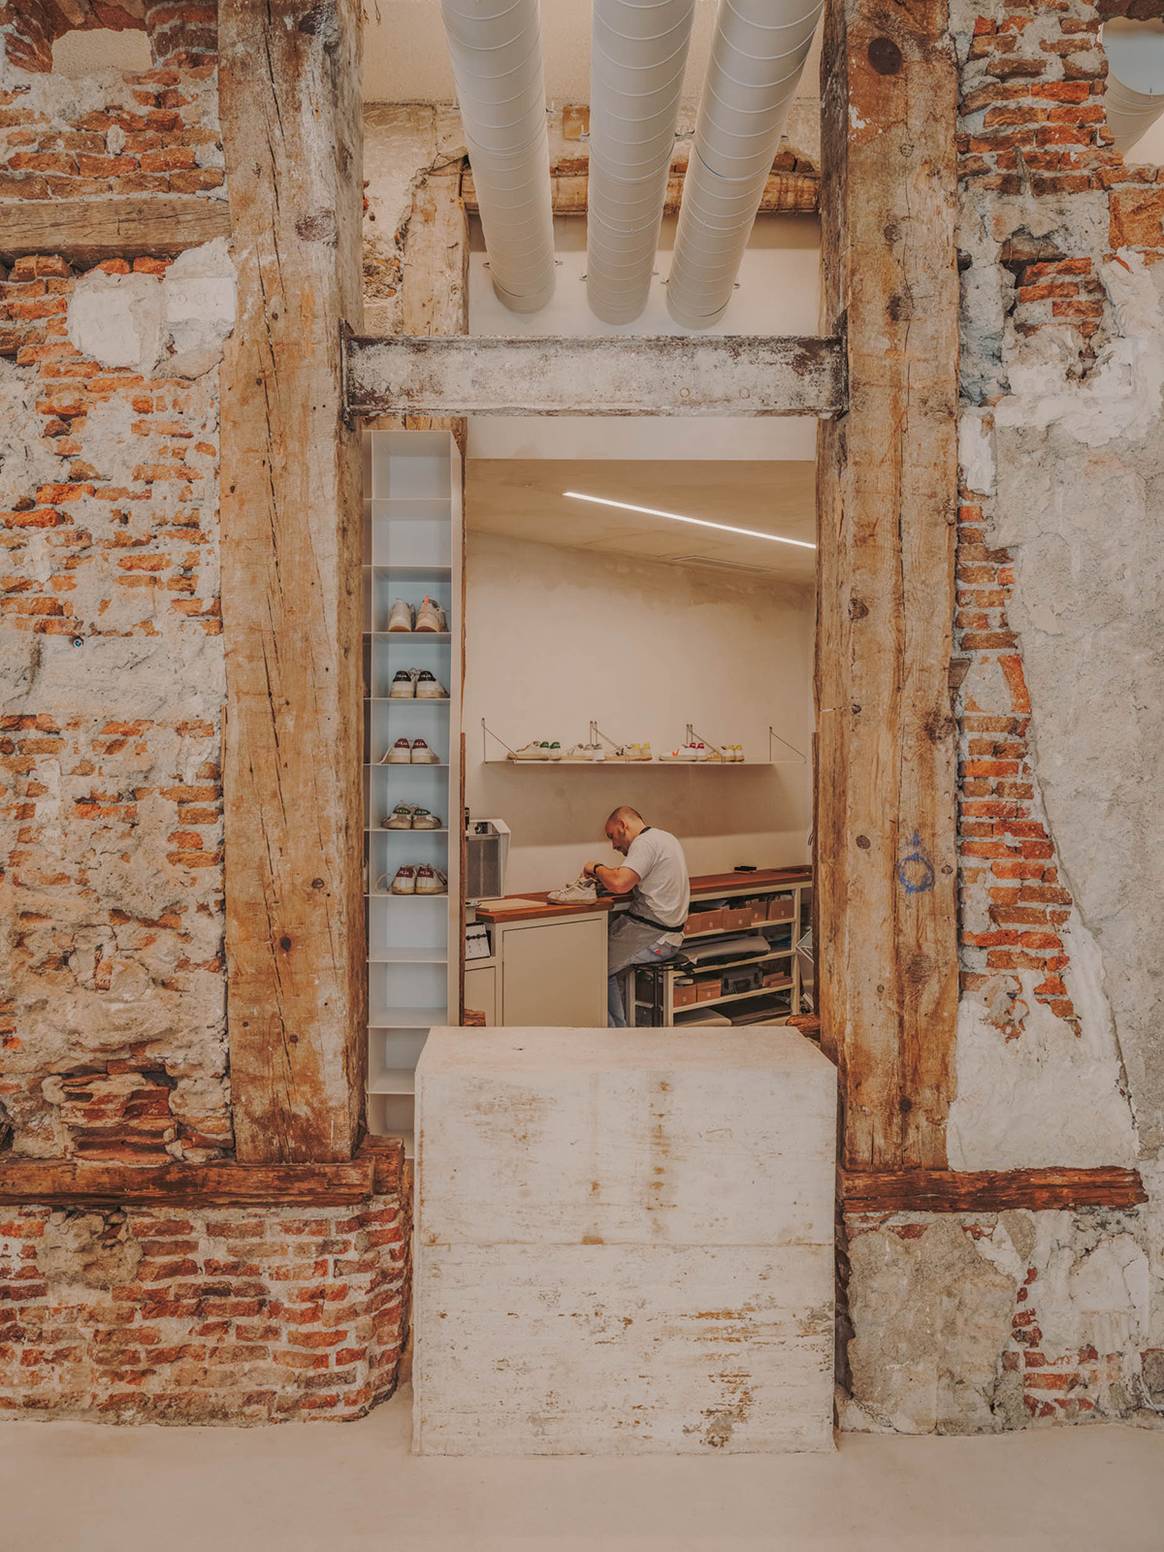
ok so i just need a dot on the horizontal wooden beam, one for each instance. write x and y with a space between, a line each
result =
785 193
85 231
377 1169
606 375
948 1190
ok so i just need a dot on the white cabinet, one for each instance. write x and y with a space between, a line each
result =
412 550
554 972
481 991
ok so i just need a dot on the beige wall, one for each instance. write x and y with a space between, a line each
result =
558 636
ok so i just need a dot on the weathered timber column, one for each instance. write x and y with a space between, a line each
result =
291 505
885 847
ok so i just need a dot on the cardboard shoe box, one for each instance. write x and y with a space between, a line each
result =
703 921
707 991
683 993
781 908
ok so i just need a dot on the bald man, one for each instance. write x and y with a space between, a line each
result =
655 878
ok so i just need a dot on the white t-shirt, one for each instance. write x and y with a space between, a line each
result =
664 891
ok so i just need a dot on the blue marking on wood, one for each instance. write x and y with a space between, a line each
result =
915 871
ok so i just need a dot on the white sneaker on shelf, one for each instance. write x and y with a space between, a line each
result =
421 754
400 818
583 891
586 752
532 751
405 881
399 754
430 617
430 881
423 820
403 686
428 688
400 616
635 752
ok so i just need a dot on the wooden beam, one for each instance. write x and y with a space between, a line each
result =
947 1190
785 193
85 231
291 530
887 487
603 375
377 1170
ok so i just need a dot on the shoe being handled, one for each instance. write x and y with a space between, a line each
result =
583 891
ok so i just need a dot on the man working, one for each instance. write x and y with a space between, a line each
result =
655 878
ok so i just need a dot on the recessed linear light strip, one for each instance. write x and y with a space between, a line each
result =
696 522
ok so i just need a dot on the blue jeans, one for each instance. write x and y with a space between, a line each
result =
630 943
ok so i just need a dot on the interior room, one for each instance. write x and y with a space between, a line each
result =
630 623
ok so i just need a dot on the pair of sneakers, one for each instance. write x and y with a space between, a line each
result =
416 684
409 752
428 616
417 880
536 751
583 891
411 816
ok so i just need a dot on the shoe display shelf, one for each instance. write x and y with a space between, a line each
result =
492 742
412 548
773 904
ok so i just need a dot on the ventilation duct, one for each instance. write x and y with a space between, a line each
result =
1135 81
496 51
756 59
637 59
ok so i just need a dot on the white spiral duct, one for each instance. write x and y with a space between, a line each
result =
496 52
637 59
756 59
1135 80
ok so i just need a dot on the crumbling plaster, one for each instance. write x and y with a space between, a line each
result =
976 1323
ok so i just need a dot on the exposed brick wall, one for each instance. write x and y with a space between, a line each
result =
112 1032
198 1316
1032 126
114 882
181 32
152 133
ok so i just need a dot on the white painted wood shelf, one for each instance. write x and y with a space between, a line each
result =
412 549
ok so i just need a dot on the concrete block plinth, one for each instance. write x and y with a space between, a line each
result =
624 1242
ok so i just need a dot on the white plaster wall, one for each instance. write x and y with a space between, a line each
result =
558 636
778 292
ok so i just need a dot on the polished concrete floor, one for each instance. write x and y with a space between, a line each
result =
327 1487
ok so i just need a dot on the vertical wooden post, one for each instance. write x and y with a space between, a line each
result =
886 841
289 84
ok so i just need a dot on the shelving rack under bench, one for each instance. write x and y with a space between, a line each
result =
786 892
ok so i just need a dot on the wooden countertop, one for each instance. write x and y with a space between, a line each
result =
545 908
701 885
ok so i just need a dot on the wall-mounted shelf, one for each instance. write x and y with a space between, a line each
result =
599 739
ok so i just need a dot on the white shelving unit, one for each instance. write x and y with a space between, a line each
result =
412 546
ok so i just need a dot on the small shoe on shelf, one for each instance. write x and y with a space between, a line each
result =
531 751
428 688
583 891
430 617
403 686
400 616
553 751
405 881
399 754
636 751
421 754
586 752
423 820
401 817
430 881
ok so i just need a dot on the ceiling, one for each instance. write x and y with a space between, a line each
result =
406 59
523 499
